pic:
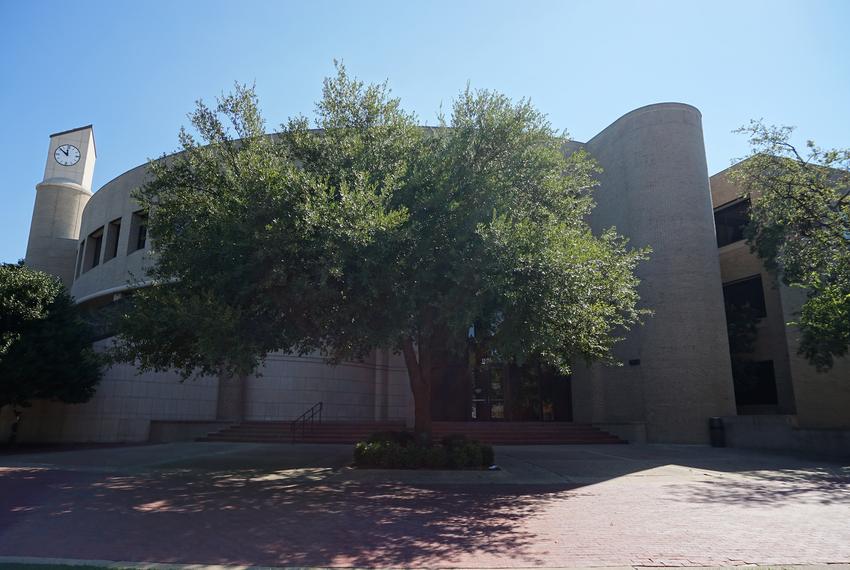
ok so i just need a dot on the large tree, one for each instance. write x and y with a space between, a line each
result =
45 347
364 230
800 226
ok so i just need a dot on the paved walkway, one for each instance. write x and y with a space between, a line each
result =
299 505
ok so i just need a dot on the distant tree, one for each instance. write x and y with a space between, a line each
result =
45 347
800 226
370 231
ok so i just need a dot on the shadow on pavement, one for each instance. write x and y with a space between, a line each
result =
772 488
272 505
246 517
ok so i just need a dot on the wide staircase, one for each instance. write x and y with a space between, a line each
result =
501 433
284 432
526 433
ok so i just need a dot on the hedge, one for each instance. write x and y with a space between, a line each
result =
399 450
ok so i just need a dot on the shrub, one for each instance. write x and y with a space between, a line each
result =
453 440
367 454
436 457
399 450
402 437
466 455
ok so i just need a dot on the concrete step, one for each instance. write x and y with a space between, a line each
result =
505 433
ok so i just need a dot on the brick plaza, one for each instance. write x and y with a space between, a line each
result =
549 506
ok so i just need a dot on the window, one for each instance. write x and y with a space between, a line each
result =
755 384
94 244
138 231
745 295
80 258
113 230
142 237
729 222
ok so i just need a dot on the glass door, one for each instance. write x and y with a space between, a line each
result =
489 389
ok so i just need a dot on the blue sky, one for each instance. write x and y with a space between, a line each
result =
134 69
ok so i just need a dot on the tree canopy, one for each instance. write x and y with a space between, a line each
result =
362 230
800 226
45 347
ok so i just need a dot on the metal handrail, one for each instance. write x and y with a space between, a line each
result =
307 417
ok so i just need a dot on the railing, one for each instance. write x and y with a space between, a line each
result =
305 419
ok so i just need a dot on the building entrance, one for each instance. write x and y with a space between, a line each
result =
476 387
531 392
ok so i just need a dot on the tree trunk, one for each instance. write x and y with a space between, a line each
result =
231 398
420 373
16 424
422 411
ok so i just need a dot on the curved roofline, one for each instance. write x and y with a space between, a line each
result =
176 152
113 290
128 171
644 109
632 112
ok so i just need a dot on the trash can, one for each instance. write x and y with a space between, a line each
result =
716 432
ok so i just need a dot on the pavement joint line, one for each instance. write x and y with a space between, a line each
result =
613 456
558 476
226 451
71 562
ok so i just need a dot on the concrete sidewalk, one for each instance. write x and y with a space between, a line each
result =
23 563
549 506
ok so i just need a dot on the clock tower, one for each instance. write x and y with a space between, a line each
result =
59 201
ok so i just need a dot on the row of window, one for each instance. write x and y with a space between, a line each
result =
754 381
102 244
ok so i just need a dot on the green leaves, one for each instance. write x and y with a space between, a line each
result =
45 347
825 325
568 295
25 296
800 227
370 231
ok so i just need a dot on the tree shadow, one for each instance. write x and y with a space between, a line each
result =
712 475
248 517
296 508
773 488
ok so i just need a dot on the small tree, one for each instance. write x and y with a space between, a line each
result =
45 347
370 231
800 227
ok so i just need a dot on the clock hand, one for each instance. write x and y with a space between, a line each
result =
65 151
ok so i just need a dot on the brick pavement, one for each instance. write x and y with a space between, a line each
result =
640 506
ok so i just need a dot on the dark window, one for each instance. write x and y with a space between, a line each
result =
745 295
103 313
755 384
80 258
98 243
94 244
113 230
729 222
138 231
143 236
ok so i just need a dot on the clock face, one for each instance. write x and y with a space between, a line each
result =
67 155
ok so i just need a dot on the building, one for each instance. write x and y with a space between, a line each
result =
782 401
677 369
